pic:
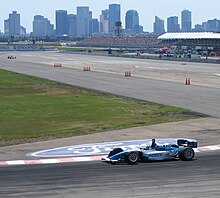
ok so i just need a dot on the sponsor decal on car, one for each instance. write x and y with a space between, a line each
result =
156 155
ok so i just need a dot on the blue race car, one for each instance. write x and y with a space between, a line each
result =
182 150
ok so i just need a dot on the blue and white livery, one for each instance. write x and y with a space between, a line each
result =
181 150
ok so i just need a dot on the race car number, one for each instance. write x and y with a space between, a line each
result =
156 155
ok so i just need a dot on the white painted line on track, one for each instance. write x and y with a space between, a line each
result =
49 161
15 162
83 159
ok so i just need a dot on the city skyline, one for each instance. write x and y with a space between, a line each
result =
146 12
83 24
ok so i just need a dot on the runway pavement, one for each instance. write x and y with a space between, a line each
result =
179 179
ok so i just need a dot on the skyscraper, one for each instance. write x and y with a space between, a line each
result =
132 21
199 28
114 16
172 24
61 22
6 26
14 23
90 22
82 19
186 21
22 30
95 26
42 26
213 25
72 25
159 26
104 21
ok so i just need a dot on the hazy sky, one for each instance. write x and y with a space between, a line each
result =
202 10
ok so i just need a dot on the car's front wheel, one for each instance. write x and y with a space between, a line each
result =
132 157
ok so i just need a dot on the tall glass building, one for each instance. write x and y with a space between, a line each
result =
212 25
159 26
42 26
114 16
104 21
61 22
6 26
82 20
94 26
14 23
132 21
186 21
72 25
172 24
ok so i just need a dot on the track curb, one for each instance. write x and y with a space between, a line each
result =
82 159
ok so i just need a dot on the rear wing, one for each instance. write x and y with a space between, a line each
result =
187 143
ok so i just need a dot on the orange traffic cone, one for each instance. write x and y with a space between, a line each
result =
86 69
58 65
127 73
188 81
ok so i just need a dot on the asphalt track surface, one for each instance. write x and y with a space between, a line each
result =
197 98
198 178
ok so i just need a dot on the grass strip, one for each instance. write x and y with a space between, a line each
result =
34 109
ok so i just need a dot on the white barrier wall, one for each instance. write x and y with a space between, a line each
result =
19 48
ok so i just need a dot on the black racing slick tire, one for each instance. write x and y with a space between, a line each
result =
115 151
132 157
186 154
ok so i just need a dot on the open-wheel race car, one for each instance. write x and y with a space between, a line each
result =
183 150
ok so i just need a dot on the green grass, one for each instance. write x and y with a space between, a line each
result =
34 109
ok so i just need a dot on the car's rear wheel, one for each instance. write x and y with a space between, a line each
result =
132 157
115 151
186 154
